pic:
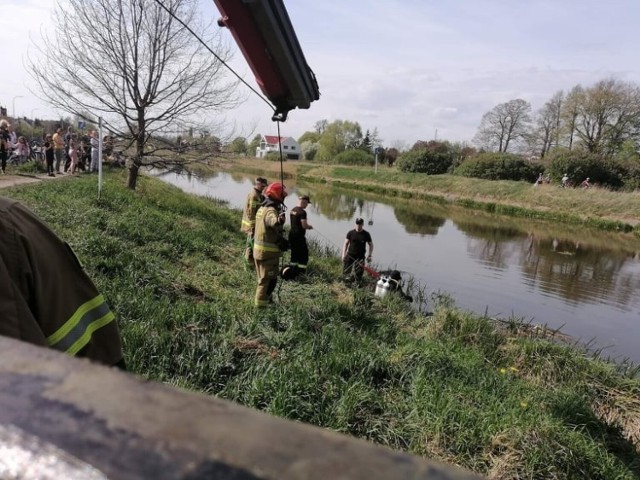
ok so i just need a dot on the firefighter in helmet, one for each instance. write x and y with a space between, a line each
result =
269 242
251 206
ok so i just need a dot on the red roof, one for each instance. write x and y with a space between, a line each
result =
273 140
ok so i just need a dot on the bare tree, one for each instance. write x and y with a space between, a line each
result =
569 113
607 115
504 124
133 64
546 126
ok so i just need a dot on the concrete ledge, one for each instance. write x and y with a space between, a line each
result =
62 417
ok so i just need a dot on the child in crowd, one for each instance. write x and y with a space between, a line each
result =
73 155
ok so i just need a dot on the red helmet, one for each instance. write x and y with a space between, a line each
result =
276 191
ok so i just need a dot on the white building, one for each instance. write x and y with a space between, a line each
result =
271 143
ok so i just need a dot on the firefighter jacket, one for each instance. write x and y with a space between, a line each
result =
269 232
251 206
46 297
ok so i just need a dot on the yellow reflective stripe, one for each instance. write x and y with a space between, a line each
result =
248 223
301 266
76 332
84 339
59 334
262 303
265 246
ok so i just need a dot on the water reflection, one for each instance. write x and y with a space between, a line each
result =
419 222
585 281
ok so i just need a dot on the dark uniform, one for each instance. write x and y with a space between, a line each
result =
354 259
46 297
297 240
266 251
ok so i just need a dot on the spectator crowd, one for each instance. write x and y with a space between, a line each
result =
64 151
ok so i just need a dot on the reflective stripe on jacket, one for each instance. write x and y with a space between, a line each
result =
268 231
76 332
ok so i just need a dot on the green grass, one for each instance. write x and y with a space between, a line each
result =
499 399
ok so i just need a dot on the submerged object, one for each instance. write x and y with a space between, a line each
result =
382 287
263 31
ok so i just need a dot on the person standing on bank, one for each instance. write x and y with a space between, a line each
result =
46 297
49 155
58 150
354 250
297 240
269 242
251 206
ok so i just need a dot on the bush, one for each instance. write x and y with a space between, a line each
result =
274 157
499 166
631 176
425 161
354 157
579 165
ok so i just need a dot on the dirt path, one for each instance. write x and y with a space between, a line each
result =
10 180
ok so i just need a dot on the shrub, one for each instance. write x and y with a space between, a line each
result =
309 150
354 157
274 157
499 166
630 171
579 165
425 161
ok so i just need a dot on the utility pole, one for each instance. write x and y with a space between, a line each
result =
14 105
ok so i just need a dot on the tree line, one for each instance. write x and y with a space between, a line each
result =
153 84
601 119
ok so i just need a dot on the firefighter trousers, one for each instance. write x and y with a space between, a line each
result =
267 272
299 251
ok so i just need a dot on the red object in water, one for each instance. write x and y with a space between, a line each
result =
263 31
371 271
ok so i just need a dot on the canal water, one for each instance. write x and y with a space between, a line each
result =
584 282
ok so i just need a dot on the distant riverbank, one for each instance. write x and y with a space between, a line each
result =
603 209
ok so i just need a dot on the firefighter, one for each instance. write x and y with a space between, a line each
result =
253 202
297 240
269 242
46 297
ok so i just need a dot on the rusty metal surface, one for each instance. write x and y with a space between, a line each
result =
68 415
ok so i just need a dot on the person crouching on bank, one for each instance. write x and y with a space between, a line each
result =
269 242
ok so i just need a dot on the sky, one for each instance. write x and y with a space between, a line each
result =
412 69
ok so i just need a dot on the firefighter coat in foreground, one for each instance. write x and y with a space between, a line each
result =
266 250
46 298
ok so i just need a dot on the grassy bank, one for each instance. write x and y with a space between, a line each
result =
501 400
619 211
